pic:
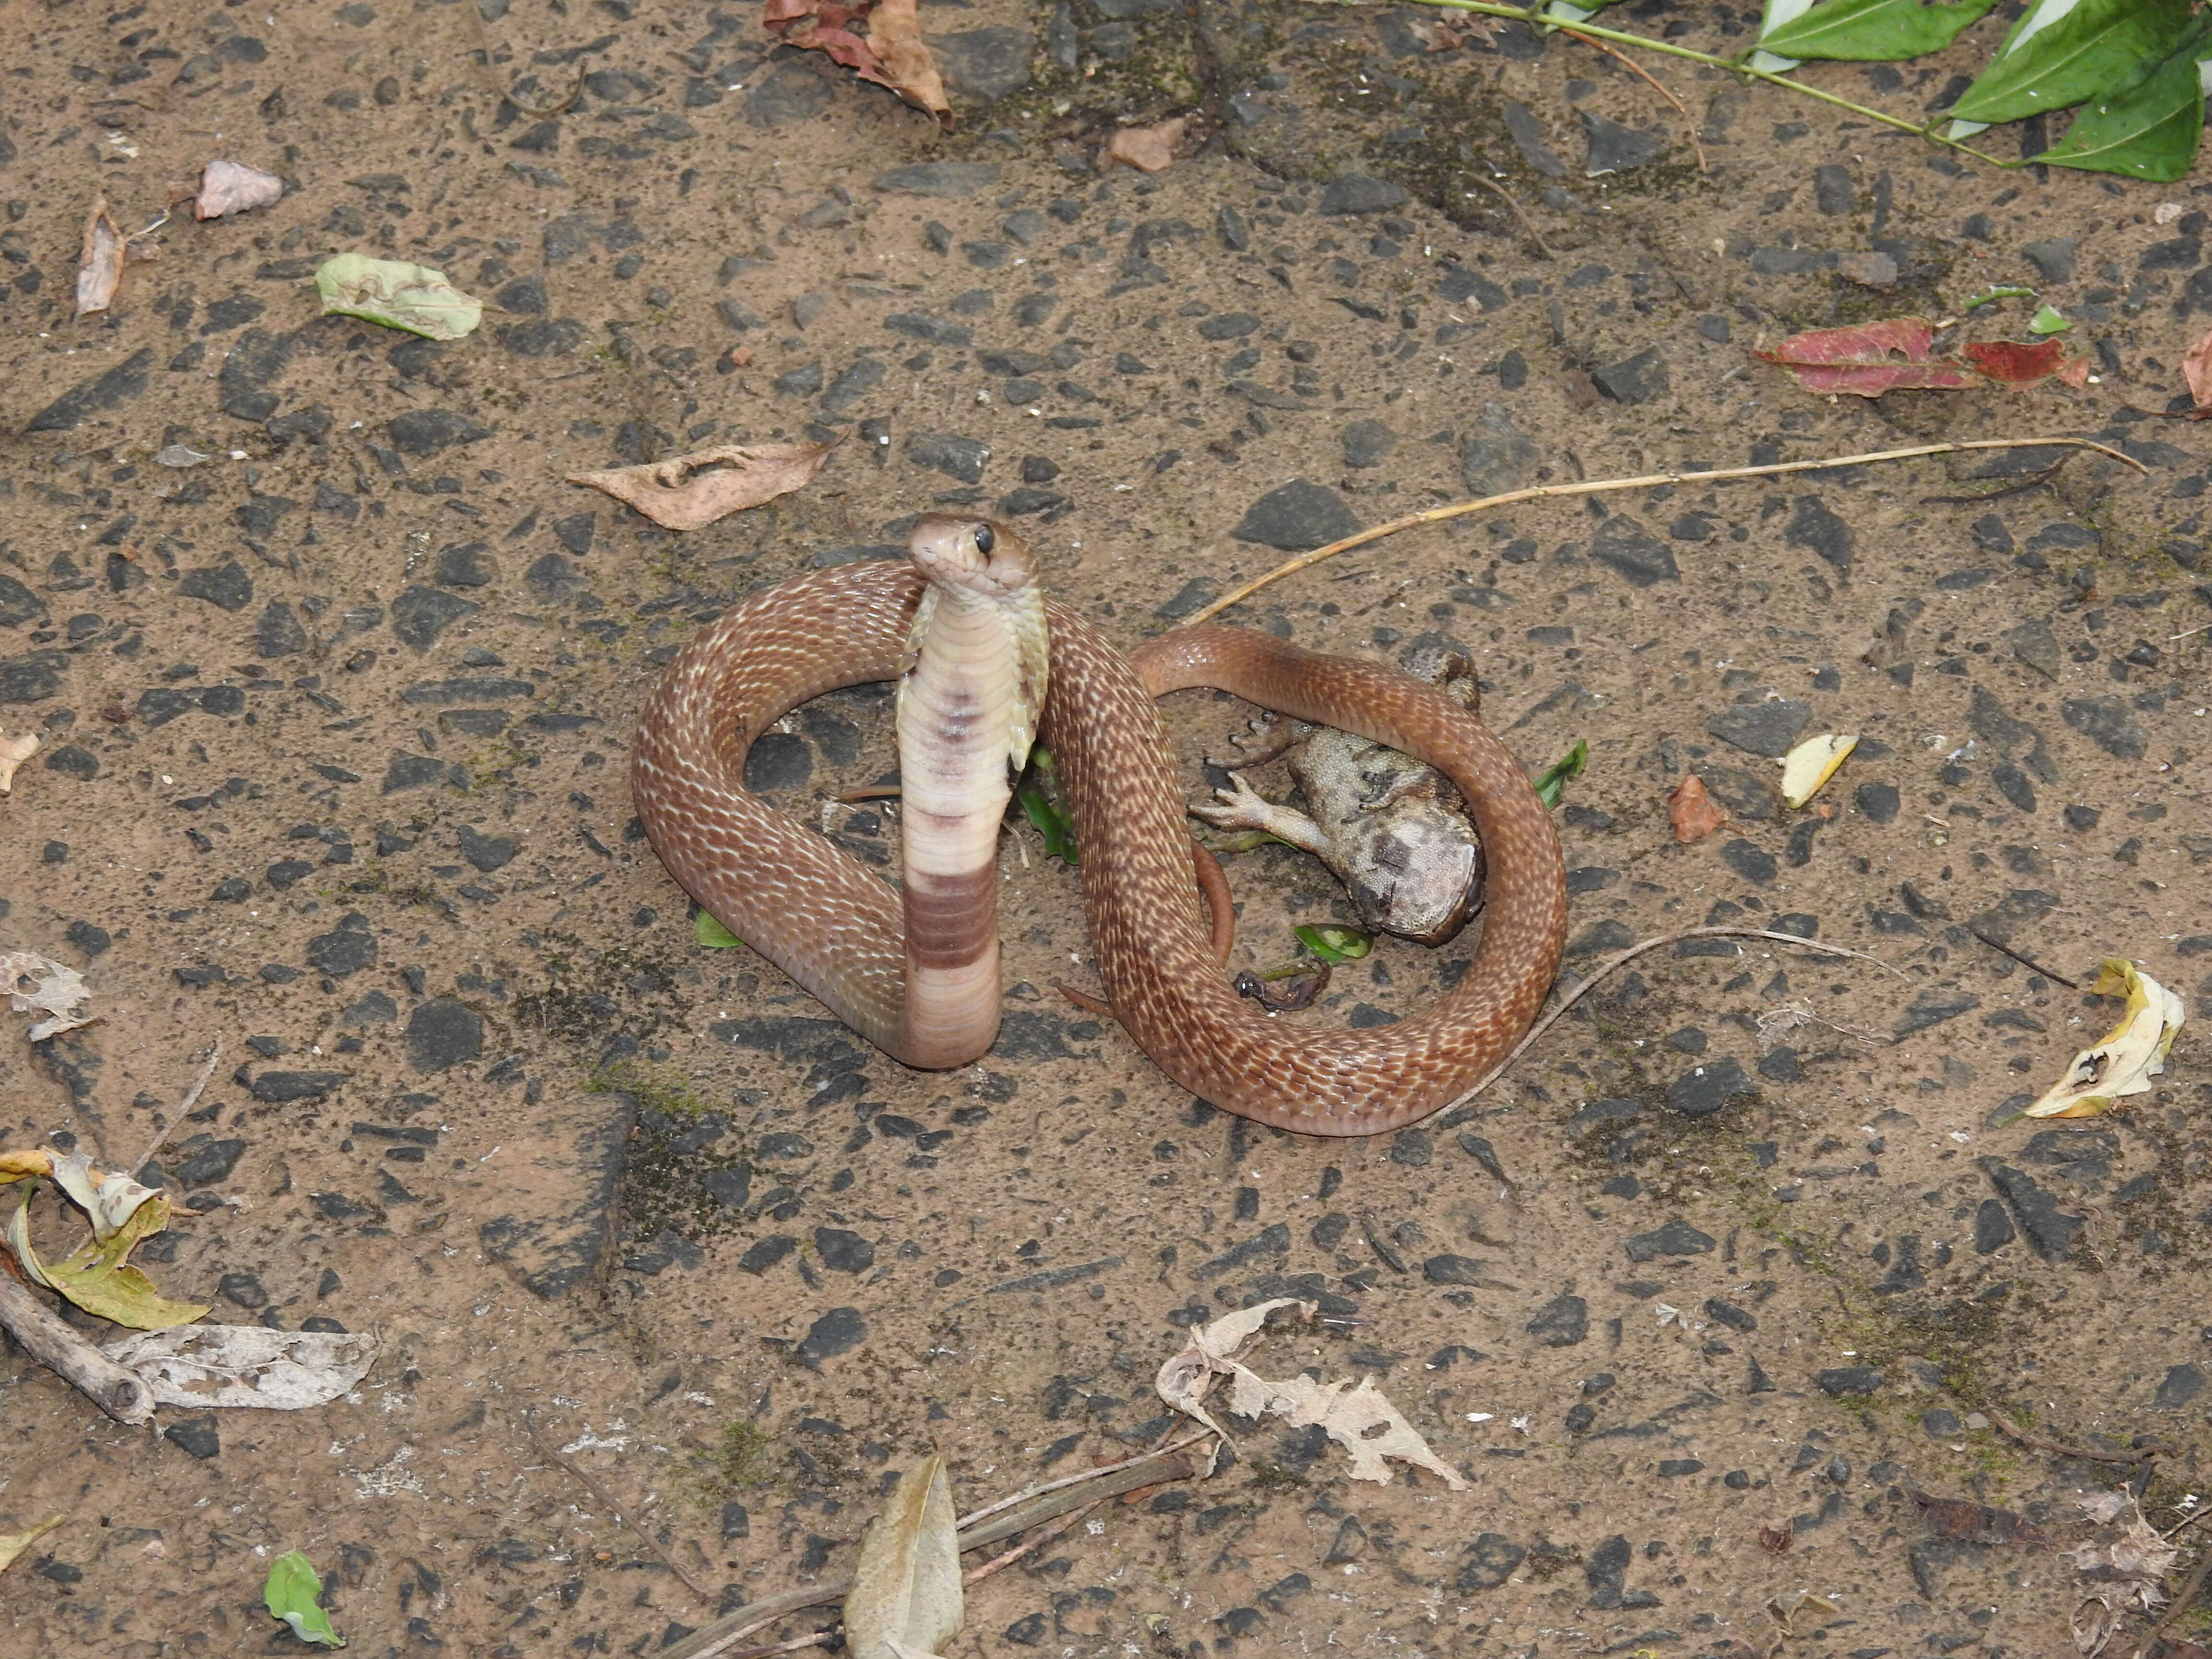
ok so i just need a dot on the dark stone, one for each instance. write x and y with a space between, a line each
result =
1297 517
1932 1008
555 576
1633 379
2052 258
1616 148
764 1253
1605 1570
919 326
487 852
2106 723
843 1251
1879 801
226 586
31 675
443 1032
850 386
1993 1228
949 178
464 564
1703 1090
1527 135
278 633
2016 911
256 359
1496 456
420 615
1356 192
1728 1314
1492 1560
1941 1423
1841 1380
1455 1270
347 949
206 1164
1815 527
575 532
124 381
278 1088
374 1009
1561 1322
427 431
2050 1229
196 1435
2181 1384
987 63
563 1243
786 94
1753 863
778 760
1227 325
1768 728
1675 1238
2035 645
1624 545
956 457
1834 192
18 604
842 1329
74 762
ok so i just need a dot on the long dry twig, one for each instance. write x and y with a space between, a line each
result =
1657 85
2013 1431
1618 958
716 1640
1650 480
1065 1524
606 1502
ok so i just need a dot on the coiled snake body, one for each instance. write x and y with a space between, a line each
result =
838 929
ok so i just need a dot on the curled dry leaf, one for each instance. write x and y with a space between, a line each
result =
99 267
1148 149
13 1543
906 1597
688 492
40 985
203 1365
1777 1540
2197 370
893 53
1811 764
1783 1608
2131 1054
2008 362
909 68
397 293
97 1275
2121 1573
1209 1352
14 752
228 187
1692 810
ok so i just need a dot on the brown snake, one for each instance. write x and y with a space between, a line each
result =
834 928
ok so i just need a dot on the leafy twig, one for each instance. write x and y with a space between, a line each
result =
1650 480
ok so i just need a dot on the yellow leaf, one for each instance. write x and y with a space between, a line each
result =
2132 1052
25 1164
98 1277
13 1543
1811 764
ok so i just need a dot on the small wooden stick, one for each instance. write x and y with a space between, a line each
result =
48 1338
1655 84
1650 480
1505 195
2012 1430
2179 1607
707 1597
976 1575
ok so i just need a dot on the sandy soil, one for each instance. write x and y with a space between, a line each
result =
336 724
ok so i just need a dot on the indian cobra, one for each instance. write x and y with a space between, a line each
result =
923 986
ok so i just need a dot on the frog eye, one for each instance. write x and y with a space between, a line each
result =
986 539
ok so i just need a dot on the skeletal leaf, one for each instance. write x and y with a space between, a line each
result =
1210 1350
13 1543
1691 811
14 752
290 1594
248 1365
397 293
906 1593
688 492
228 187
99 267
2121 1573
180 455
2131 1054
1811 764
1362 1422
57 992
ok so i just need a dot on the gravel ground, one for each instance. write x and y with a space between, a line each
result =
336 725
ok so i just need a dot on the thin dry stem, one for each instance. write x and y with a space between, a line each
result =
1648 481
2013 1431
1657 85
191 1099
705 1596
1528 224
1046 1537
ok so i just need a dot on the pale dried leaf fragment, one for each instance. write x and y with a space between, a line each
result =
13 1543
1783 1608
1148 149
228 187
1807 766
99 267
397 293
14 752
909 67
906 1593
2197 370
2122 1574
1209 1352
1691 811
40 985
1364 1422
2131 1054
203 1365
688 492
111 1199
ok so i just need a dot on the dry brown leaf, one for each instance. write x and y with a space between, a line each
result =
2197 369
907 1594
100 268
909 67
2123 1573
13 1543
228 187
688 492
14 752
1148 149
1692 810
1776 1540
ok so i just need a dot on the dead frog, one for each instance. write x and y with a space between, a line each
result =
1394 831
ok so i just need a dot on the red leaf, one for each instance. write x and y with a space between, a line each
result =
1870 359
2010 363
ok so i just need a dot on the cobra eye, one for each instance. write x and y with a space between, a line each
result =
986 539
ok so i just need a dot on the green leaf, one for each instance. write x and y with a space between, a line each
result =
2148 130
2049 319
1050 822
1334 945
1552 782
397 293
2089 50
711 933
1996 293
291 1593
1872 30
